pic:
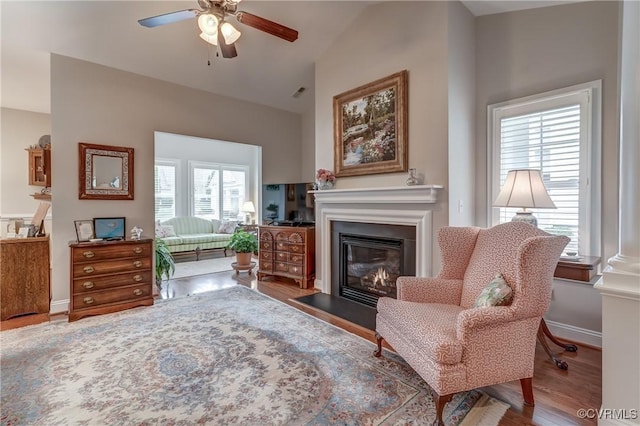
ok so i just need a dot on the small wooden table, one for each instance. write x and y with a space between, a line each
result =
248 268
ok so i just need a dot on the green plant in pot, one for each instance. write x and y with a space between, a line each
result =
165 264
244 245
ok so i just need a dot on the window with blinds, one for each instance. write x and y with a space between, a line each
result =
552 132
165 191
217 191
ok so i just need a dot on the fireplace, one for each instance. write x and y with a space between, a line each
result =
367 259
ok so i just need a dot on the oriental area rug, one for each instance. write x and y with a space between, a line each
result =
227 357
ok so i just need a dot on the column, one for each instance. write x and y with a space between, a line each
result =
620 283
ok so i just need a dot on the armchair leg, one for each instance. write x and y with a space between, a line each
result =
527 391
441 401
378 352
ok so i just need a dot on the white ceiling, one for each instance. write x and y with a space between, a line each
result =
268 70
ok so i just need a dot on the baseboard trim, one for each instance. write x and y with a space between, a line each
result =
59 306
575 334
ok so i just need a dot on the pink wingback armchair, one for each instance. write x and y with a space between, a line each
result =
455 347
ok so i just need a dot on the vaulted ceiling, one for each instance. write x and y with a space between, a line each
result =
268 70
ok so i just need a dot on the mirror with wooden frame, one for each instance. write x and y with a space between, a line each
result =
106 172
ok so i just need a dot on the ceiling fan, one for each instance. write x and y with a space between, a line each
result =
215 28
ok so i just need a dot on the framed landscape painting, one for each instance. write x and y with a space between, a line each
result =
371 129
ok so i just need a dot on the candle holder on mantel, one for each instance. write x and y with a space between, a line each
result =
413 178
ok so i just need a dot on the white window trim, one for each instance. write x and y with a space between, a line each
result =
591 149
220 167
178 167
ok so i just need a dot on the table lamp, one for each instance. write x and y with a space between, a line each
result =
249 209
524 188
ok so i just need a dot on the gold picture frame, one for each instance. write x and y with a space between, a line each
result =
370 126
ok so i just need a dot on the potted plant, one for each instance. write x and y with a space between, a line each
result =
273 208
244 244
165 264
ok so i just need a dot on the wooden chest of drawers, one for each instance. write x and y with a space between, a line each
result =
288 252
110 276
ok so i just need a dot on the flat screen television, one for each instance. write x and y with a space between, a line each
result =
109 228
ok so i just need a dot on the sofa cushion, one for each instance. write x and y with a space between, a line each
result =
216 225
203 238
190 225
172 241
430 327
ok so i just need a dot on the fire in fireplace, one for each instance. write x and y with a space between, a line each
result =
368 258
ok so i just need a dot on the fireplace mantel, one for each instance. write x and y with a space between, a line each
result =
388 195
402 205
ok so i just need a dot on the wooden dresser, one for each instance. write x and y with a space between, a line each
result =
24 277
288 252
110 276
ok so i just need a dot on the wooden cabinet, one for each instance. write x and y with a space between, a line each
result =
288 252
39 166
110 276
24 272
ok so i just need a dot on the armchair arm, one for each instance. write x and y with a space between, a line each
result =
473 319
429 290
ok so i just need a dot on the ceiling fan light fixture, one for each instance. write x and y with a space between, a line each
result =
230 34
208 24
210 39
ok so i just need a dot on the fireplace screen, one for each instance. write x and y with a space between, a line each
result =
371 265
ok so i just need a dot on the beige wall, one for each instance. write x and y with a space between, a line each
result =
384 39
532 51
102 105
20 129
461 86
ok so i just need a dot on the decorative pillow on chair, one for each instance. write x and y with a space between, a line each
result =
496 293
228 227
164 231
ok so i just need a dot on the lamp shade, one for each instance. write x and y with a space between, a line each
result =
211 39
208 24
248 207
524 188
230 34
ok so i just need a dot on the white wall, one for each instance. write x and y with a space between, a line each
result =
188 148
532 51
20 129
384 39
97 104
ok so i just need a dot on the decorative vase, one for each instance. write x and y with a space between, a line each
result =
412 179
324 185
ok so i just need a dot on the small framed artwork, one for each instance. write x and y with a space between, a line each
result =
84 230
23 232
370 126
109 228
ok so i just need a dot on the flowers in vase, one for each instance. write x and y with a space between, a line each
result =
324 179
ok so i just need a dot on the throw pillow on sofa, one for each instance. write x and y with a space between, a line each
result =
228 227
164 231
496 293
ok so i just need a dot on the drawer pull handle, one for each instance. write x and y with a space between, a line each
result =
137 250
137 263
87 284
88 254
137 292
88 300
88 269
137 278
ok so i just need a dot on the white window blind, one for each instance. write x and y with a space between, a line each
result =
165 191
551 132
218 190
234 193
206 193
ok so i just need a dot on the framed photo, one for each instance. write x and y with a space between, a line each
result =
109 228
84 230
371 128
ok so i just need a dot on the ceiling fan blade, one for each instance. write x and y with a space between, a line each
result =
228 50
267 26
168 18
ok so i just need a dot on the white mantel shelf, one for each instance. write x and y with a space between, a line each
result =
395 194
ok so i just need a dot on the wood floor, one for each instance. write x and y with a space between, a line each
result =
559 394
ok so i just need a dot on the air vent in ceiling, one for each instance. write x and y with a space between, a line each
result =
299 92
